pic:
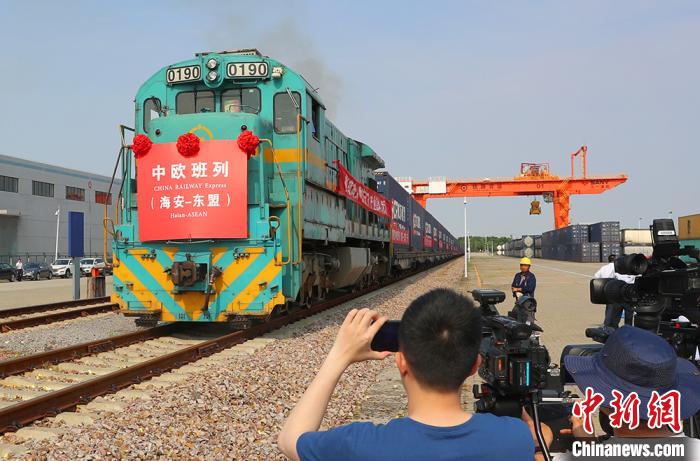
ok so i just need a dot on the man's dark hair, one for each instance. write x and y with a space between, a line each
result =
440 335
611 258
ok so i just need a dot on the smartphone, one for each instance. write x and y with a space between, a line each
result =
387 338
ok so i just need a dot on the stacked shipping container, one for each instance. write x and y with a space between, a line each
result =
521 248
595 242
689 227
570 243
607 235
583 243
689 231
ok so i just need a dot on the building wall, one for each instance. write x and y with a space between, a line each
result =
28 222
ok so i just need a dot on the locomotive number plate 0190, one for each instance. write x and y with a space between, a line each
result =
246 69
183 74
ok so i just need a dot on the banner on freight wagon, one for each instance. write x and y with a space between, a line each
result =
399 233
353 189
204 196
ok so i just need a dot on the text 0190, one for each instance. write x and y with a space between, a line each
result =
183 74
246 69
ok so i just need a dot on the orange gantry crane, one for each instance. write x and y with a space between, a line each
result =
534 179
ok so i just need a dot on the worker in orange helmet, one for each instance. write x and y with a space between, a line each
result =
524 282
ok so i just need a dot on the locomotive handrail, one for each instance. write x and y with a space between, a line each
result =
123 128
289 208
105 222
261 180
126 170
300 225
300 222
299 189
124 147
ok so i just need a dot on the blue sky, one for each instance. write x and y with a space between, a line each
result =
459 89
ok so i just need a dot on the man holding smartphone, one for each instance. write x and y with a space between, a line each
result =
439 338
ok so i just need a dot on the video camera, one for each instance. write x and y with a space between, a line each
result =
665 296
514 362
516 368
665 288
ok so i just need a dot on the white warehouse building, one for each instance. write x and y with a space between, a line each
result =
35 197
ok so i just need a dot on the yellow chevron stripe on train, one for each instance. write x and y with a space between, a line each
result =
240 198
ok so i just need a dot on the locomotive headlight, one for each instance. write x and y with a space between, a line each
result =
212 63
212 75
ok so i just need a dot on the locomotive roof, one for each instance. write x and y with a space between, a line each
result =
241 52
365 151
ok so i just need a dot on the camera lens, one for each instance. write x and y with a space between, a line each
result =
610 291
634 264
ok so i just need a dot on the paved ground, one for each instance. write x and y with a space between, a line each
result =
29 292
564 312
564 309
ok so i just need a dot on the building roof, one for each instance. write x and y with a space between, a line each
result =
48 168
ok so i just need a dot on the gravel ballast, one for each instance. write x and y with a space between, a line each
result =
234 407
62 334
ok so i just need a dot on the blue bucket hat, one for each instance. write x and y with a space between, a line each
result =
636 360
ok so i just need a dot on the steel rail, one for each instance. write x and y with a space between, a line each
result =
65 354
26 322
22 413
50 307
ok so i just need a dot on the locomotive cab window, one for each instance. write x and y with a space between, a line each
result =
194 102
241 100
315 116
286 112
151 111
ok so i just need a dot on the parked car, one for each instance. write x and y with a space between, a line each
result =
36 271
7 272
62 268
86 265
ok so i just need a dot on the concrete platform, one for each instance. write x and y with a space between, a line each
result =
564 311
30 292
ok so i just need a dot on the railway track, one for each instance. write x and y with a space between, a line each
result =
41 314
48 383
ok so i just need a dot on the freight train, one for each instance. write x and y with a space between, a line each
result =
240 197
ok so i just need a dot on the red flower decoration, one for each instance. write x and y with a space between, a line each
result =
141 145
248 143
188 145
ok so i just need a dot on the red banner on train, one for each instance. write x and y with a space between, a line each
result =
200 197
353 189
399 233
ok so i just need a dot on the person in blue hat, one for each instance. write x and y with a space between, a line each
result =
636 360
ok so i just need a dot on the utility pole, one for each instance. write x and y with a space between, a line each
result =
58 221
469 246
466 239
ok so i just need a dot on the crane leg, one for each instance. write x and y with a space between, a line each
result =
561 209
